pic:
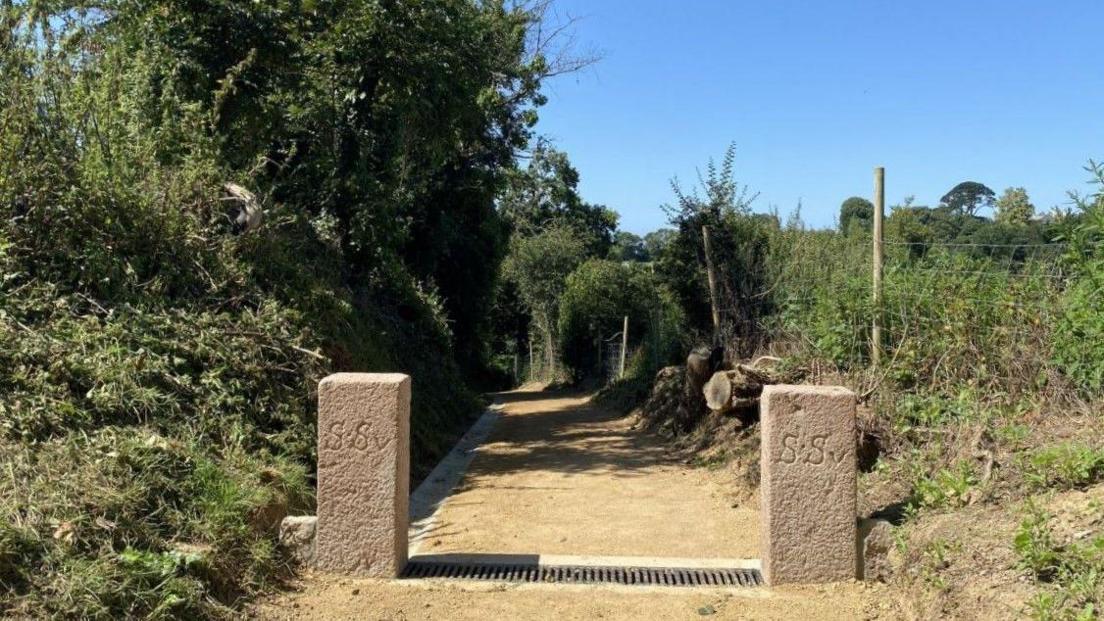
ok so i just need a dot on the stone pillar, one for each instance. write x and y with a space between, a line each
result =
808 484
363 474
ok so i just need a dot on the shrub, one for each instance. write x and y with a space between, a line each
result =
1079 330
1080 325
597 297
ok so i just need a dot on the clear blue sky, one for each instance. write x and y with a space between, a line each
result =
815 94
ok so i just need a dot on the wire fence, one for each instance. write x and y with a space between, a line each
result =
951 313
610 360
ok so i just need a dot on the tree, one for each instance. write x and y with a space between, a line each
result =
739 246
546 193
657 241
538 265
1014 207
856 214
967 198
628 247
597 297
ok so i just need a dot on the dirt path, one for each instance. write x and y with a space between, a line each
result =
558 476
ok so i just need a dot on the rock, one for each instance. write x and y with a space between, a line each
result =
297 534
876 545
268 516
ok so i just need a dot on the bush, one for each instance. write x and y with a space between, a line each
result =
1080 322
1079 330
597 297
739 251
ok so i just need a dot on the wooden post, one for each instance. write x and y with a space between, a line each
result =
600 361
624 347
712 274
879 240
530 356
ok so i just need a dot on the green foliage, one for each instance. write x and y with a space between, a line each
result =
990 318
657 241
1072 574
1014 207
554 231
967 198
1065 466
740 243
1080 324
596 299
545 195
921 228
928 411
1035 546
129 522
856 215
948 487
157 362
538 266
628 247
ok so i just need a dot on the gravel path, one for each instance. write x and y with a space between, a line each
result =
558 476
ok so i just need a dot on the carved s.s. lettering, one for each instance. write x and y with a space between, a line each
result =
335 436
789 453
816 455
361 439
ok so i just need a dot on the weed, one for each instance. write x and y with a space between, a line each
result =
1064 466
1071 574
934 559
949 487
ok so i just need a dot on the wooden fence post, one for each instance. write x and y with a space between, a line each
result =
711 272
624 347
879 241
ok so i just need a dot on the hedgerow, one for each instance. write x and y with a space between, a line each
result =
159 350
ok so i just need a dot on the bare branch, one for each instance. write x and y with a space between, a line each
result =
554 38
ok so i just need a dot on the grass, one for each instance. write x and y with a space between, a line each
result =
1071 574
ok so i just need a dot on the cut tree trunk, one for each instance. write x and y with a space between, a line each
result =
735 390
732 390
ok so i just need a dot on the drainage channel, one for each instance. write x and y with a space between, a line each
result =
585 574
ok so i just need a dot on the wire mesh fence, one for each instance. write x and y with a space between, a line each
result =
952 313
611 362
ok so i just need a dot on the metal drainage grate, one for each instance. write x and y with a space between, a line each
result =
582 574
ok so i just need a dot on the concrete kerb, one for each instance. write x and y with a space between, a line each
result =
430 496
